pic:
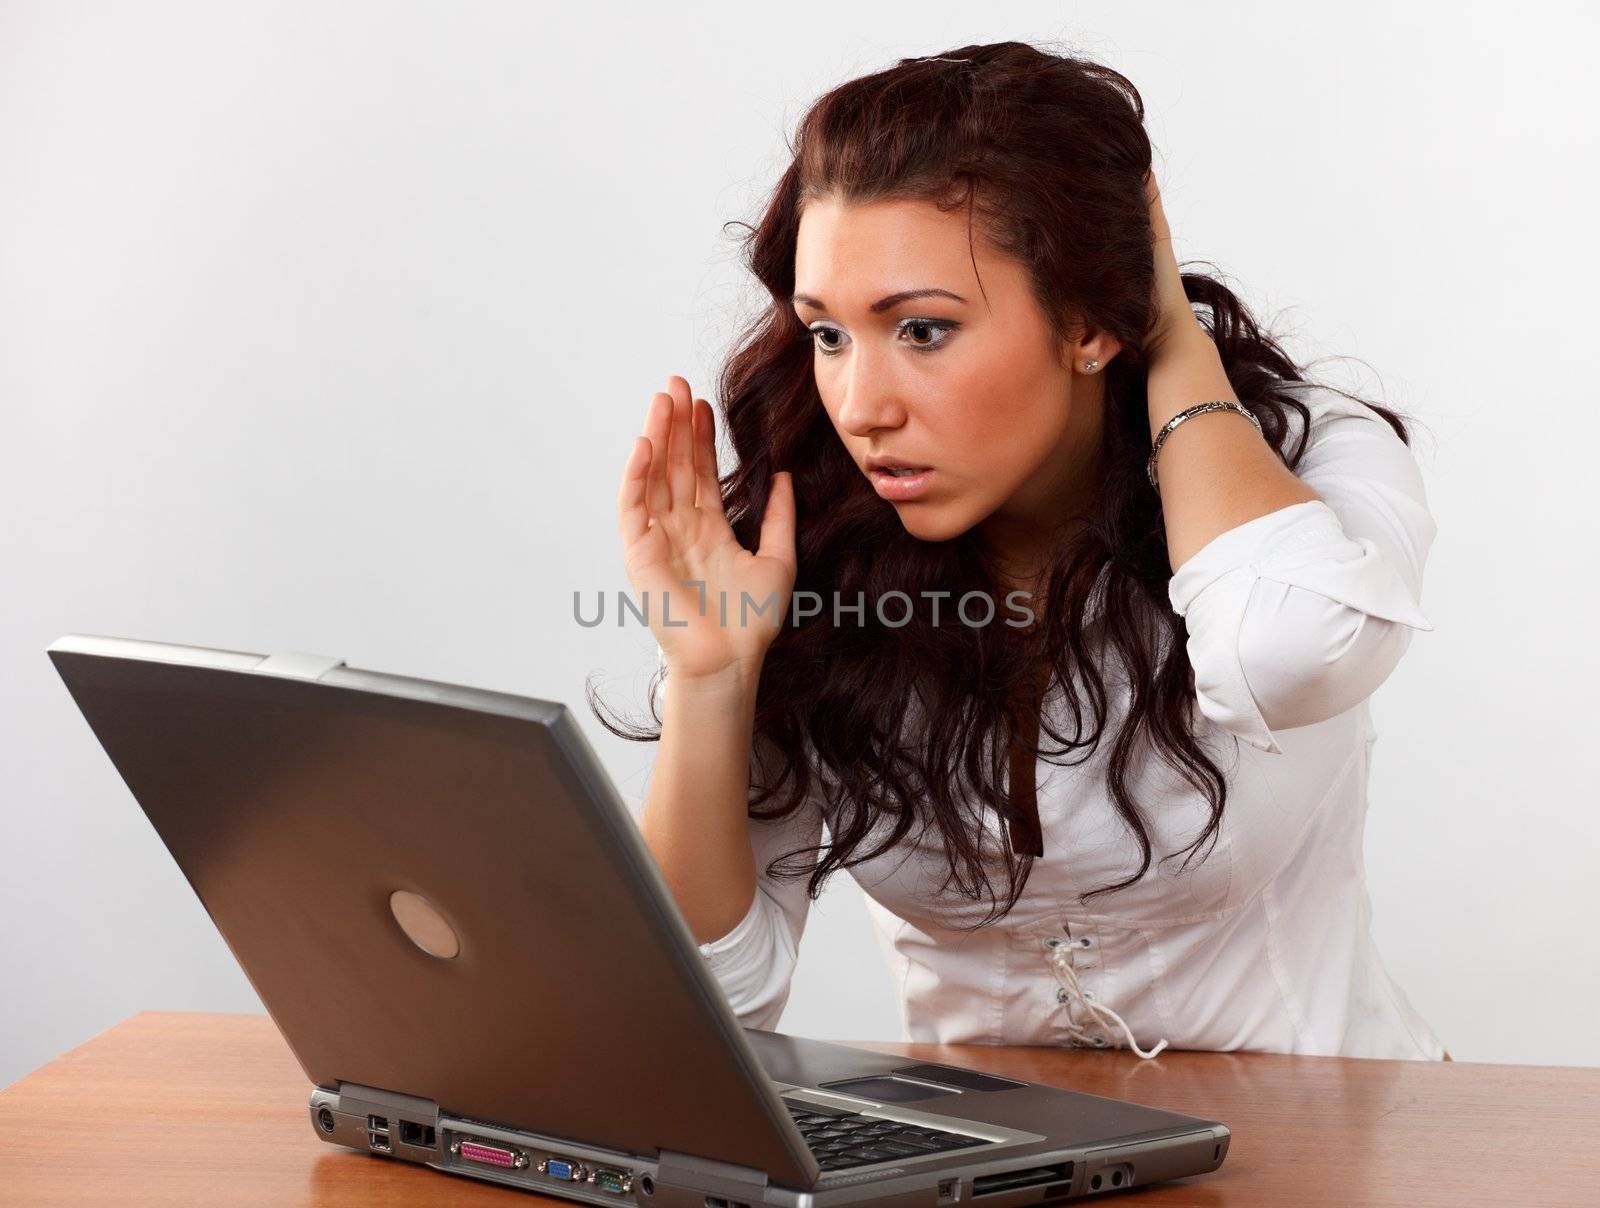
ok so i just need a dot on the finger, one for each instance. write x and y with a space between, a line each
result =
680 449
633 517
708 490
777 524
657 425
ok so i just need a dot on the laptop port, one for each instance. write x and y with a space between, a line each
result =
378 1123
421 1135
379 1142
560 1168
618 1182
1011 1180
1119 1175
489 1155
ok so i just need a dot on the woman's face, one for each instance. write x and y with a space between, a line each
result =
917 365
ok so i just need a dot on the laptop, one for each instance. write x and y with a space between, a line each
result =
448 911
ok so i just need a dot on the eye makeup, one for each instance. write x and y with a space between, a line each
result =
947 326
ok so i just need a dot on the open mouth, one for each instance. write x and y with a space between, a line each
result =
901 483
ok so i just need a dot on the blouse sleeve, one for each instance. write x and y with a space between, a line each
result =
1299 615
754 963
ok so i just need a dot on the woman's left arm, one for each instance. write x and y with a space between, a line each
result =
1298 588
1214 472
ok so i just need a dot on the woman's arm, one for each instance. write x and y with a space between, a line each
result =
1298 588
683 557
696 811
1215 472
755 960
1299 615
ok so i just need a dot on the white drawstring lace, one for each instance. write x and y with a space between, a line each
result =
1067 974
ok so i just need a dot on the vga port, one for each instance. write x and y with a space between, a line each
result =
560 1168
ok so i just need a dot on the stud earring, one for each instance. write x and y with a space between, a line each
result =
1090 366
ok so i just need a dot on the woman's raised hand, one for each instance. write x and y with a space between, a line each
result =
1175 317
675 535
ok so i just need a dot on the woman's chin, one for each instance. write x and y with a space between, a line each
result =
930 522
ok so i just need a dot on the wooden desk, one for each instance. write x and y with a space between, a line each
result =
170 1109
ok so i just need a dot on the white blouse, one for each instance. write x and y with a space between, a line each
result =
1293 620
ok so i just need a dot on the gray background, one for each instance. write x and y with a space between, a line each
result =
327 328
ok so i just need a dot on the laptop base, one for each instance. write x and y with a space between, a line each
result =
392 1125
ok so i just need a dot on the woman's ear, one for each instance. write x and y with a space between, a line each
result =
1092 352
1083 344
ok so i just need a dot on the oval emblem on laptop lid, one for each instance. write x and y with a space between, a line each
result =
423 924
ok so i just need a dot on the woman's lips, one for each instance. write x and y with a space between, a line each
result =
899 487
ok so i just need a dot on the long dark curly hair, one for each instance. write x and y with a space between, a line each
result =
1048 154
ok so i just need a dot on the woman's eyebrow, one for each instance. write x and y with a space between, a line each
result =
883 304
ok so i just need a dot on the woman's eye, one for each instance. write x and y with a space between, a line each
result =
818 337
919 335
919 329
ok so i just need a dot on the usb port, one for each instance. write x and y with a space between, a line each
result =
378 1123
379 1142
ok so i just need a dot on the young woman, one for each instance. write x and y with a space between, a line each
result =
1071 676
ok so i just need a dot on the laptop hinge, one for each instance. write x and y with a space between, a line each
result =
298 666
358 1098
737 1183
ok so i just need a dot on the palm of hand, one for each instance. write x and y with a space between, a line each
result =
712 604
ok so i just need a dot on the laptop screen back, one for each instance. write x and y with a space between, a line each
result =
312 817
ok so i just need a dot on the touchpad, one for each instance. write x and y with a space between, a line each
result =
888 1089
952 1075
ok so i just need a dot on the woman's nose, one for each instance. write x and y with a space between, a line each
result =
870 403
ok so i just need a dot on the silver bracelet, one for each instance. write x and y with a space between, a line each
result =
1197 409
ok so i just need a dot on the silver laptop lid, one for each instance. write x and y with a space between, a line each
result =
325 816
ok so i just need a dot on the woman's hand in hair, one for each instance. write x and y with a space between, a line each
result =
676 535
1174 314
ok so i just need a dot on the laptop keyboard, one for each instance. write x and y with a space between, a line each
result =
841 1139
